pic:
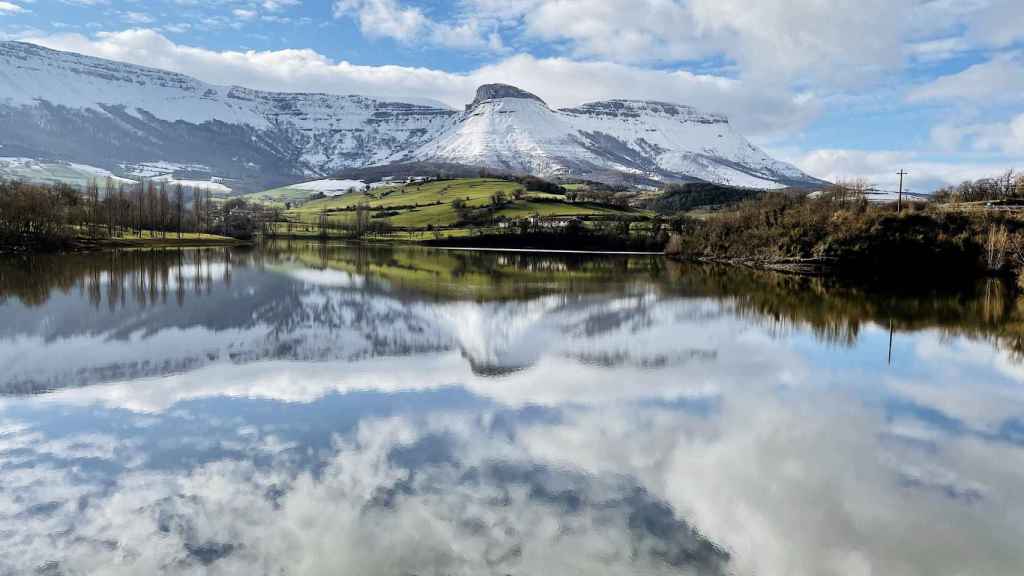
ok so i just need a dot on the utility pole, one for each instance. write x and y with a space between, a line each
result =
899 197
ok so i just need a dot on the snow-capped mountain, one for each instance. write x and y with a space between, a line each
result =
114 116
66 106
506 128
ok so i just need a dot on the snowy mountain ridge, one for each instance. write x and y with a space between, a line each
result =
70 107
506 128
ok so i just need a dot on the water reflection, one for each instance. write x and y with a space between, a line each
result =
302 408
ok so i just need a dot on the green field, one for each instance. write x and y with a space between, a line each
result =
278 197
150 239
417 207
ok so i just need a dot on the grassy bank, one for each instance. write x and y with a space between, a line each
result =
819 236
86 243
156 240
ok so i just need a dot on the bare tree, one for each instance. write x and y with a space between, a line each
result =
179 205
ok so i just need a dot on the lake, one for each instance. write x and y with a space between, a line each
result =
304 408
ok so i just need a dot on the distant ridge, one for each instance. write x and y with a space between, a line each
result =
114 116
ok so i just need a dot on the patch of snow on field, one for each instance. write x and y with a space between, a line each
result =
213 187
330 187
161 168
46 171
883 196
99 173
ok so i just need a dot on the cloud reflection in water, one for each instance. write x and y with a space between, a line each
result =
355 424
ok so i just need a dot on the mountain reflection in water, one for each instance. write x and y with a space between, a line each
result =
314 409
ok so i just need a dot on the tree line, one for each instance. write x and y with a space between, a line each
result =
34 213
1009 184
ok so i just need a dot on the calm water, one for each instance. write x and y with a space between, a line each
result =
303 409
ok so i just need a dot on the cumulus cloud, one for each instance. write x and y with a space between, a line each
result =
560 81
137 18
995 23
276 5
774 40
766 483
802 466
879 167
390 19
999 79
244 14
370 508
823 40
1005 137
10 8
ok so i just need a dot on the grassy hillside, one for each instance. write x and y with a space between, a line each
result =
44 172
436 205
278 197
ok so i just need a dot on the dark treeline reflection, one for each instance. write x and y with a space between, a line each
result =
836 312
118 277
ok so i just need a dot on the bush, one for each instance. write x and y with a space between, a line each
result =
867 238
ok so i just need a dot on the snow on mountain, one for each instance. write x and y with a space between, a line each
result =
506 128
73 107
69 107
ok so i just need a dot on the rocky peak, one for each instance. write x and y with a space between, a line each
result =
496 91
636 109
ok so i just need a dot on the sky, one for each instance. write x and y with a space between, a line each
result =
841 88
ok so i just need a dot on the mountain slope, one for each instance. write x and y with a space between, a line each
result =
113 116
67 106
508 129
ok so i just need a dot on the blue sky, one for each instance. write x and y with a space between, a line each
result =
848 88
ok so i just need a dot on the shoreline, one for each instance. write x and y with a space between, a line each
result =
85 245
549 251
811 267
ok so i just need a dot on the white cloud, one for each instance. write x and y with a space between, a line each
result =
179 28
1003 137
999 79
9 8
880 166
623 30
275 5
770 40
137 18
244 14
384 18
390 19
996 23
824 40
938 49
560 81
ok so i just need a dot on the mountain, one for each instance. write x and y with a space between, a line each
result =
136 121
506 128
